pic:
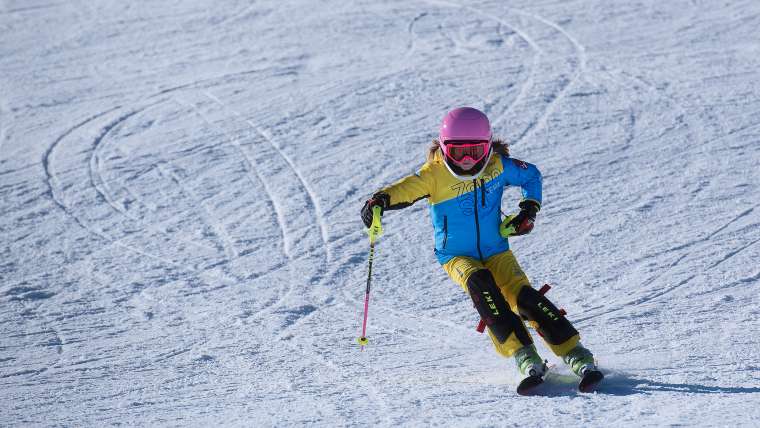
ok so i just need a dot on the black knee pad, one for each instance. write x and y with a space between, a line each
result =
493 309
552 325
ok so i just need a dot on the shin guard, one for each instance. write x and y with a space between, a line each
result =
552 324
493 308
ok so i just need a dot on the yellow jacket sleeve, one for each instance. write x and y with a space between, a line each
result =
410 189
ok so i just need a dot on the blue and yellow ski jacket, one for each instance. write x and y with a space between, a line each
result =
466 213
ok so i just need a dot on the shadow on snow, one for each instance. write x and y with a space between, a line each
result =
618 384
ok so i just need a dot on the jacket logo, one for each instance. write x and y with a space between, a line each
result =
465 190
520 163
465 199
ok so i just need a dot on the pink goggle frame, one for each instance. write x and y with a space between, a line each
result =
457 151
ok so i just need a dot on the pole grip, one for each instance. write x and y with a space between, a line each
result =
376 228
504 230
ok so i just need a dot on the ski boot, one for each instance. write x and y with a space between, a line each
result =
581 362
530 365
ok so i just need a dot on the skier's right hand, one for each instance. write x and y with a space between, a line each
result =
379 199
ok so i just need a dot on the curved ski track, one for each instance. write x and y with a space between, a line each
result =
325 247
3 126
326 252
102 188
319 217
580 59
57 193
276 208
410 29
704 241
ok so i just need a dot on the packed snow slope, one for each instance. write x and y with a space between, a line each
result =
180 185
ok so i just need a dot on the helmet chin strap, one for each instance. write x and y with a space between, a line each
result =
469 177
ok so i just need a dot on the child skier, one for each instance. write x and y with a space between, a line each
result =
463 179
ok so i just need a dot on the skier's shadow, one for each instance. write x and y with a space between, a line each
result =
621 385
618 384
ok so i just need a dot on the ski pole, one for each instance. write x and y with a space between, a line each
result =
375 230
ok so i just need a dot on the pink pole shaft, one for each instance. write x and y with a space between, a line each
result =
366 295
366 312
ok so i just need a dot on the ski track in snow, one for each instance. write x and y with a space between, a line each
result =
662 275
276 207
325 247
216 270
60 199
3 126
540 51
554 98
410 29
250 167
580 69
95 174
229 247
312 195
102 188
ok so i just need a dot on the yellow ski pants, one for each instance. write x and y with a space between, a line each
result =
510 279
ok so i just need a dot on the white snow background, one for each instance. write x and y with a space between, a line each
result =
181 181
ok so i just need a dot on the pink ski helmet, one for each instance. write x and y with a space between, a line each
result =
465 140
465 124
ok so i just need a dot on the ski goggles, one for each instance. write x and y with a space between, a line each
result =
459 150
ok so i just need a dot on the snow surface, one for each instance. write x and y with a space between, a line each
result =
181 183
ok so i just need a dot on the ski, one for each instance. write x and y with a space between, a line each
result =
529 384
590 380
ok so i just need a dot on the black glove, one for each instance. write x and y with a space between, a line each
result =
522 223
380 199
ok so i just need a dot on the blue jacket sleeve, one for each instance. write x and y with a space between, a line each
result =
525 175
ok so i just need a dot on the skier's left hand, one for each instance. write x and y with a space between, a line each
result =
378 199
522 223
